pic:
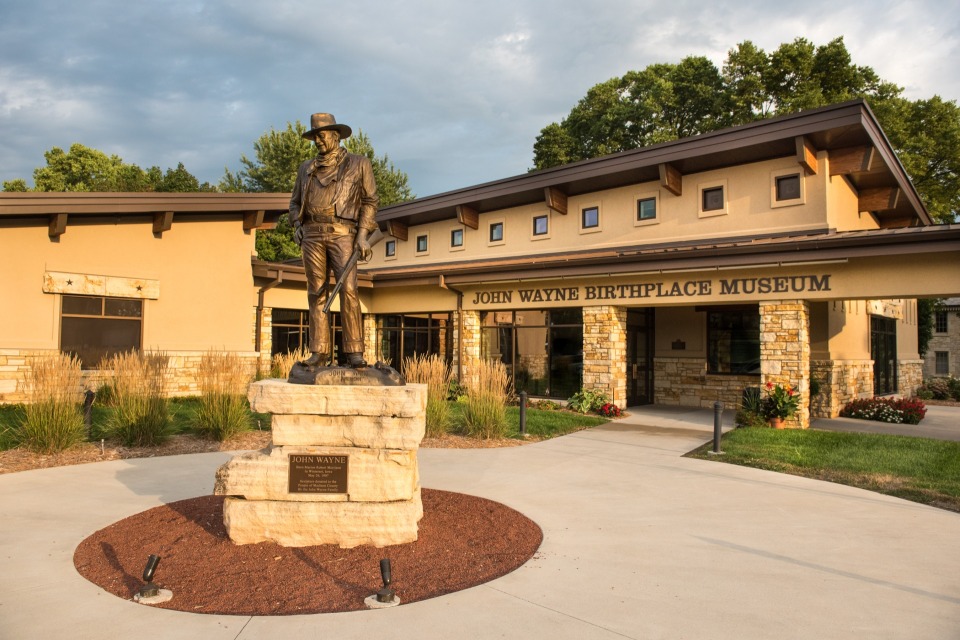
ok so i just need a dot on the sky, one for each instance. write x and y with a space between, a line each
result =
454 93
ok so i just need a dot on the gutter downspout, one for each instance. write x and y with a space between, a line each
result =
257 341
443 285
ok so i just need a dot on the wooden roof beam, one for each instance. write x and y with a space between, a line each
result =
397 229
556 200
880 199
58 225
671 179
467 216
162 221
806 155
852 160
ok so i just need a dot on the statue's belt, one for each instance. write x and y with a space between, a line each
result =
327 218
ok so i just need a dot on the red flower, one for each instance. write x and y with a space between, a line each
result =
769 385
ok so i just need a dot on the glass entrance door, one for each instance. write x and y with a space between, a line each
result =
883 350
639 356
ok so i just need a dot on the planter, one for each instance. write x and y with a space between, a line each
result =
776 423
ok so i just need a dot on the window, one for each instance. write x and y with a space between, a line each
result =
940 322
390 249
788 187
942 363
733 342
590 218
540 226
403 336
542 350
496 232
456 238
95 327
712 199
291 331
421 244
646 209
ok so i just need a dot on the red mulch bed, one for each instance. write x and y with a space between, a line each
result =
463 541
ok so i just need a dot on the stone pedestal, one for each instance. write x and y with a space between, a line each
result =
354 479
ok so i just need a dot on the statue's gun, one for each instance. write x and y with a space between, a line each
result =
372 240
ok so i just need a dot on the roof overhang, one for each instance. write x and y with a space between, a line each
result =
58 209
775 250
845 128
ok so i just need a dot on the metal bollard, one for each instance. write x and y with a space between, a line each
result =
523 413
88 411
717 421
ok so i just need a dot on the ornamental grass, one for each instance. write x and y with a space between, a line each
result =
282 363
141 413
434 372
52 420
485 409
222 380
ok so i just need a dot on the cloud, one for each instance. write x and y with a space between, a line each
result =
454 93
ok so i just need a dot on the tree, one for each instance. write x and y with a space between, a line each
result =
277 155
85 169
668 101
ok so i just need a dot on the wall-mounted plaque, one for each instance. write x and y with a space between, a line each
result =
318 473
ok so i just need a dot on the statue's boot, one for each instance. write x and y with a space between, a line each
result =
316 359
355 360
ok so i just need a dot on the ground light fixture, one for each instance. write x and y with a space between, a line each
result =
150 593
385 597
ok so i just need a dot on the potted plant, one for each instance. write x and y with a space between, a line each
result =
780 403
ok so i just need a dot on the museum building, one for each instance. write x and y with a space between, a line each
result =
787 250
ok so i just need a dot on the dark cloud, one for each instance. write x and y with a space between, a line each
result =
455 95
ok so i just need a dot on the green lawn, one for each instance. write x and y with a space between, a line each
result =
540 423
918 469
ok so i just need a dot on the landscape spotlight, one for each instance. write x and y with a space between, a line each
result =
386 594
149 589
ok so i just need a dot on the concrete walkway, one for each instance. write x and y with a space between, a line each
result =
639 542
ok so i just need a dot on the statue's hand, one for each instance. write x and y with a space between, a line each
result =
363 246
298 234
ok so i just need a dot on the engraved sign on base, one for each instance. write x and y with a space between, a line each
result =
318 473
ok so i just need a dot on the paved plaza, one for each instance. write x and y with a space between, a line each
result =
639 542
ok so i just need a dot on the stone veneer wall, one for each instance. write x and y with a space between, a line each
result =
605 352
469 344
265 360
840 382
909 377
371 350
181 372
785 351
685 382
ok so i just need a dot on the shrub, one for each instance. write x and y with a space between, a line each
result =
609 410
141 415
432 371
485 408
906 410
746 418
585 401
223 412
281 363
455 390
781 401
52 420
547 405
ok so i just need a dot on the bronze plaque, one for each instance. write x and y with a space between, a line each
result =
318 473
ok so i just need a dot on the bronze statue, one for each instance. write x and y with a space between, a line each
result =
332 211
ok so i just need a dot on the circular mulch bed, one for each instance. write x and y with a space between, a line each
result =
463 541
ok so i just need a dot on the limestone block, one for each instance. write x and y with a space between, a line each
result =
375 432
374 475
303 524
280 396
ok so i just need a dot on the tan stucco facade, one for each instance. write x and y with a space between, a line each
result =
845 242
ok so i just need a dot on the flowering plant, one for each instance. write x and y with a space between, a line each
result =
781 401
609 410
